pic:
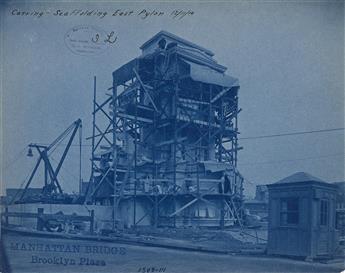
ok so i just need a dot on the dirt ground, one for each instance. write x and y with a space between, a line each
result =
26 257
232 240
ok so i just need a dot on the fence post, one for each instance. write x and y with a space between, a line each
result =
6 216
92 220
40 222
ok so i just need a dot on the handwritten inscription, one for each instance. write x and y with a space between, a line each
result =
143 14
151 269
89 40
111 38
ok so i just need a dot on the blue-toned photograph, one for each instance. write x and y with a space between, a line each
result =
172 137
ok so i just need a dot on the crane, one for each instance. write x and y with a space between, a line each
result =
52 185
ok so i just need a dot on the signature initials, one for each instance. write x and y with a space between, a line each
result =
109 38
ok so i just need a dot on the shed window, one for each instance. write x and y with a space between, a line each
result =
289 214
324 211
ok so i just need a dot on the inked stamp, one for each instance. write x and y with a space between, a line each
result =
89 40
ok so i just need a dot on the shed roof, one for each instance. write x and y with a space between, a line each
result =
298 178
301 179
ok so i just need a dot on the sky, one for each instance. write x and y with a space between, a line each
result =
288 57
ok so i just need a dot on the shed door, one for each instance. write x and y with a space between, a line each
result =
325 234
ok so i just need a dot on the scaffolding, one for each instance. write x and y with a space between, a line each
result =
165 153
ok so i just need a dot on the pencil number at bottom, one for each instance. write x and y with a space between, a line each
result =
151 269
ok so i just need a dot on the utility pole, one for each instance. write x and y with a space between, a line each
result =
114 151
80 158
92 178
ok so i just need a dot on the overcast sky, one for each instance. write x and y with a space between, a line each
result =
288 57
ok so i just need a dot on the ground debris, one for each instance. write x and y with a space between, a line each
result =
198 237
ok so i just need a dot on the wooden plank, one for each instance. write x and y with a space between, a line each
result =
204 180
171 141
145 107
145 87
66 217
135 118
184 207
47 216
220 94
193 101
164 124
20 214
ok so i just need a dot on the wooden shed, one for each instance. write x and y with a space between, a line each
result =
302 217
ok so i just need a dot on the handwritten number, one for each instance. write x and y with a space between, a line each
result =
151 269
97 38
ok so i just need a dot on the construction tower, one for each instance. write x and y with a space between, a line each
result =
169 133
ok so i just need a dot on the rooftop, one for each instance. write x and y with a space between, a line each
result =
182 41
298 178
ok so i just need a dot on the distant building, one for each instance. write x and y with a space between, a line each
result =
261 193
302 217
13 194
258 205
2 200
84 187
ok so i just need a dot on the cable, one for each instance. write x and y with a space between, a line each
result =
291 160
64 144
65 169
270 136
250 182
21 186
293 134
15 158
258 137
